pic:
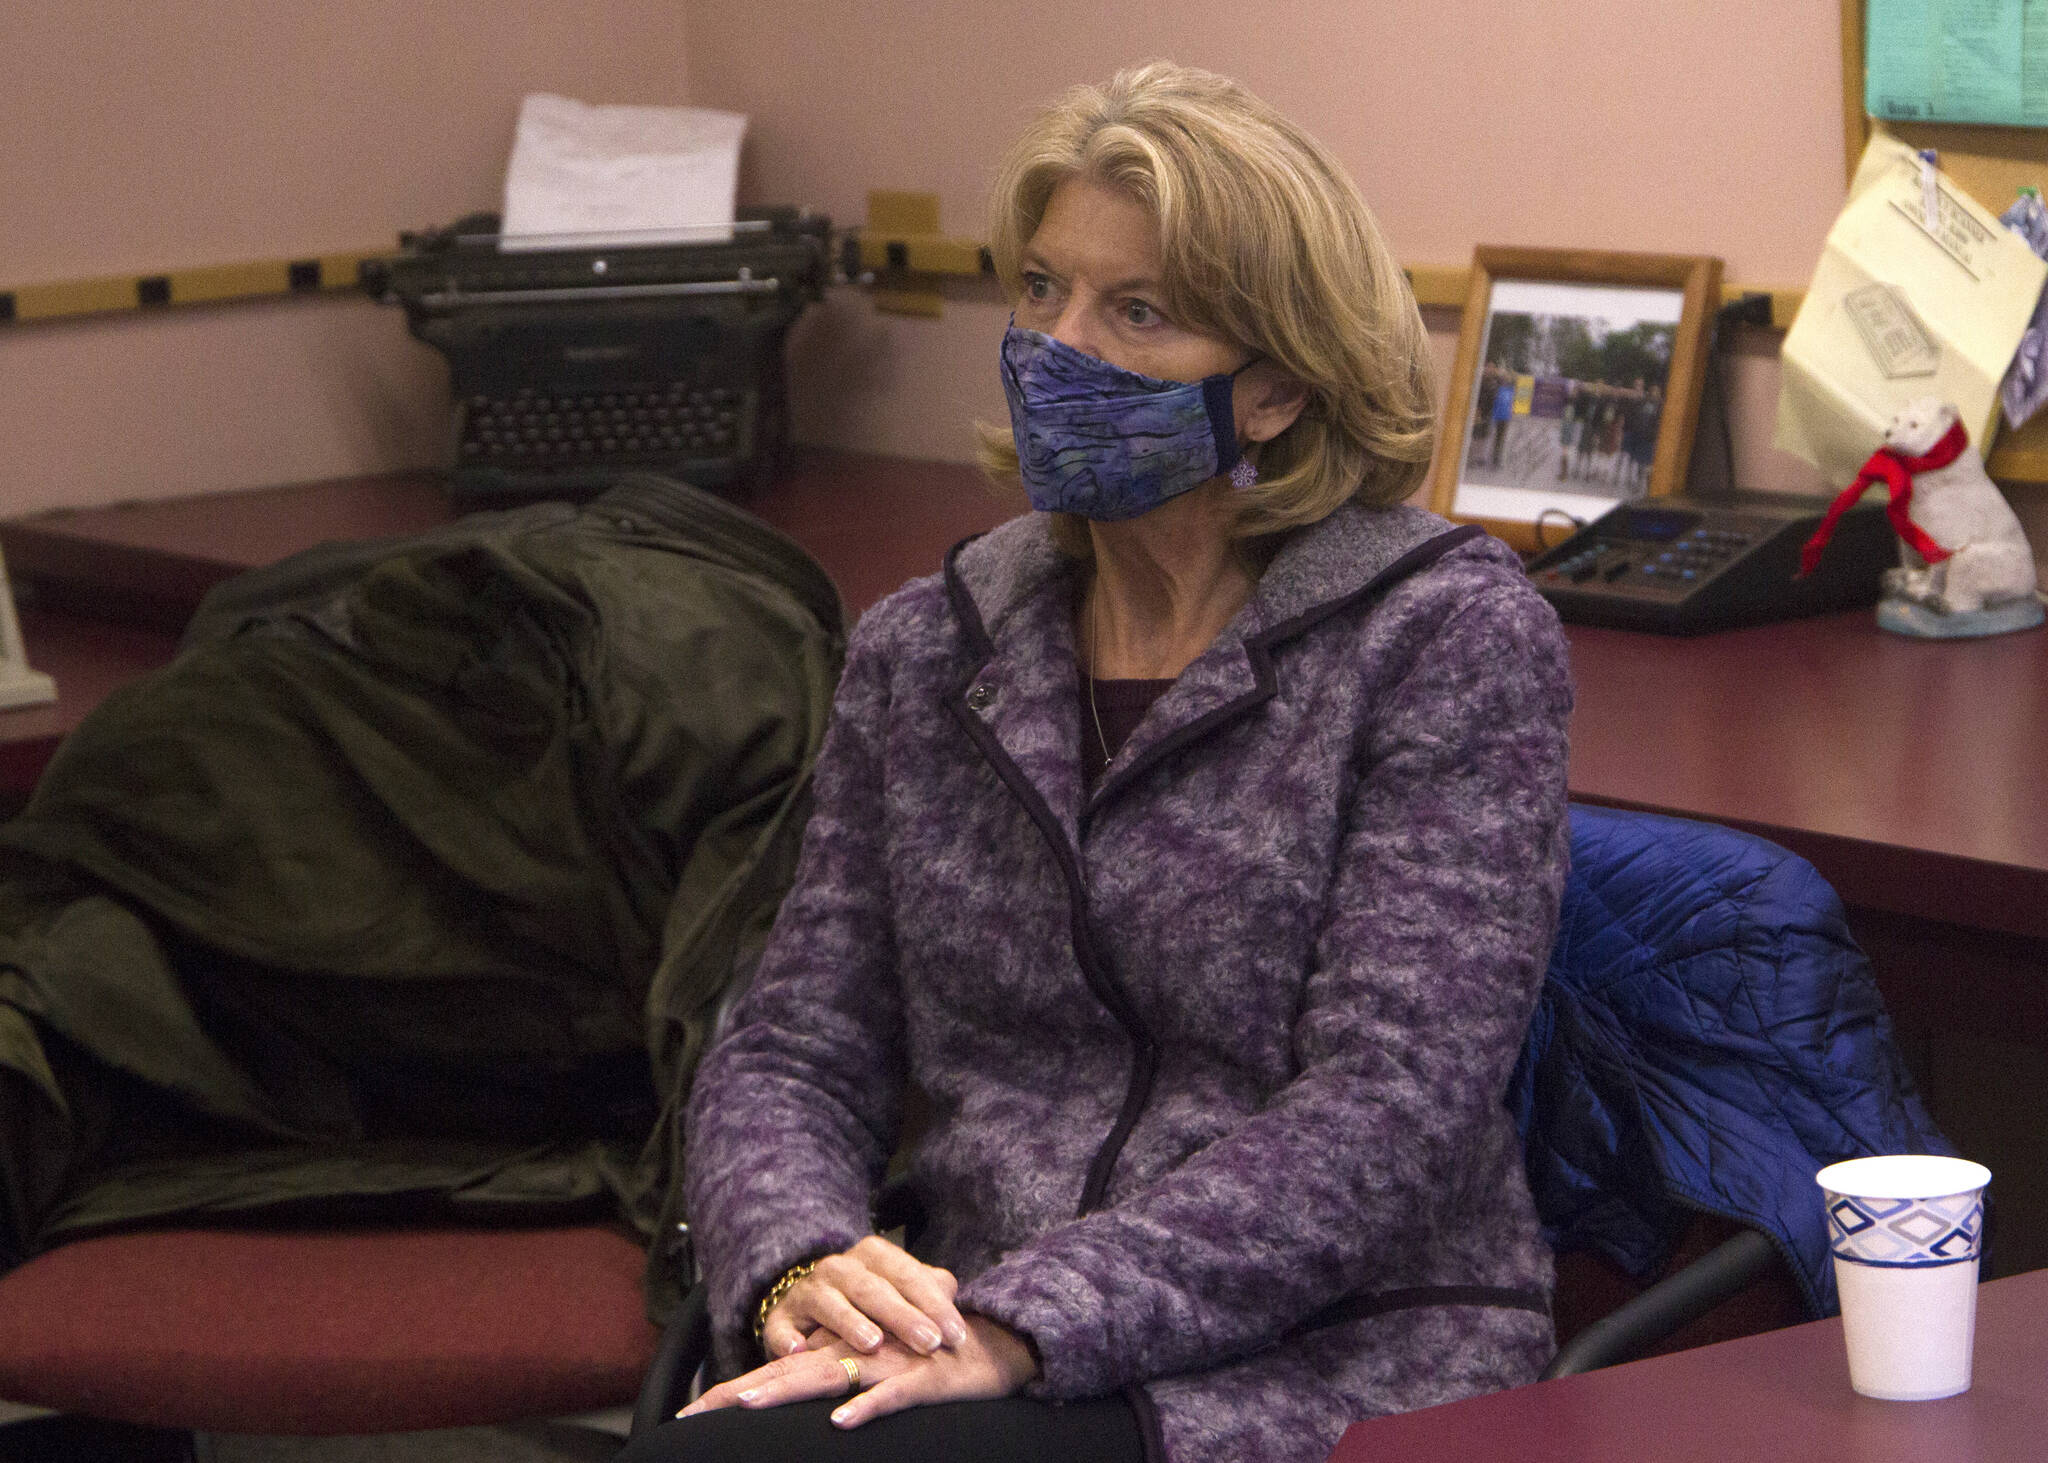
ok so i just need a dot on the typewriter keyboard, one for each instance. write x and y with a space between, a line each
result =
537 429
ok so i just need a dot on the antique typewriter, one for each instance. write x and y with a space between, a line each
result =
572 363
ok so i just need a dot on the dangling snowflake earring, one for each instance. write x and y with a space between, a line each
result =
1244 474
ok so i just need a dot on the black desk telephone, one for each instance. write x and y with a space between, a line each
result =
1686 565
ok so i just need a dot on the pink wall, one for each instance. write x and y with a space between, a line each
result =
1688 129
140 138
191 132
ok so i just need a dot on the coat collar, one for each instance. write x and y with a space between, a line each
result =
1013 594
998 575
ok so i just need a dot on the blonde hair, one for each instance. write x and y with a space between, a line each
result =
1265 242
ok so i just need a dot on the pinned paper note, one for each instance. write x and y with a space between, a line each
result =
1906 302
620 174
1957 61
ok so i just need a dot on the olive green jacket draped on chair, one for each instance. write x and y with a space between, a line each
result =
407 888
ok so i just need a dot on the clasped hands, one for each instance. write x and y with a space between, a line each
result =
893 1316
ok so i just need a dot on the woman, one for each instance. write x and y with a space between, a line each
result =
1191 847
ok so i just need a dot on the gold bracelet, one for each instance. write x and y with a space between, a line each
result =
777 1291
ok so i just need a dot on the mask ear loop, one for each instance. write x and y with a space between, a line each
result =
1217 394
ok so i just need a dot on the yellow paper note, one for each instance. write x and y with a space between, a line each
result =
1908 300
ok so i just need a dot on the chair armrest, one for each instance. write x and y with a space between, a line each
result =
686 1340
1631 1329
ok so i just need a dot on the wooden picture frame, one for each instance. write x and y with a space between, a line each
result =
1572 442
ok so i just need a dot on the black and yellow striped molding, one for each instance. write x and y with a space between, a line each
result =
893 256
212 284
907 264
1444 286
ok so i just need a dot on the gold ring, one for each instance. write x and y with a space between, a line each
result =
852 1374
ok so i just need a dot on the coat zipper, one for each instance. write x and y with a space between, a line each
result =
970 694
1144 1047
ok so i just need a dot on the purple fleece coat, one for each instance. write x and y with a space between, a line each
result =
1208 1050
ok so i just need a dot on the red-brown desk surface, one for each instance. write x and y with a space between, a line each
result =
105 590
1913 773
1782 1397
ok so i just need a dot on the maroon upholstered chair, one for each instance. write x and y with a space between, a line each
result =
362 1330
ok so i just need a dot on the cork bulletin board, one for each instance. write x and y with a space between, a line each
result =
1990 163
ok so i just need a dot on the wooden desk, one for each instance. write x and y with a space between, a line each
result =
90 659
1913 774
1782 1397
105 591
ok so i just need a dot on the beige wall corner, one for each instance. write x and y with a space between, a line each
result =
138 139
1604 125
213 398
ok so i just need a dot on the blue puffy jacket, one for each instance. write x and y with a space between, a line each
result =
1708 1038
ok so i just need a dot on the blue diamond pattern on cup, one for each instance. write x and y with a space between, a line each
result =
1957 1244
1906 1232
1921 1226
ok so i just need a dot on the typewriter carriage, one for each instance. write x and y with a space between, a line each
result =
577 361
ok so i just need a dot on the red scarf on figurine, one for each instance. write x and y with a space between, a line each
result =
1895 470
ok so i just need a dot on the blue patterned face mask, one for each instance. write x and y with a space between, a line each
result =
1106 443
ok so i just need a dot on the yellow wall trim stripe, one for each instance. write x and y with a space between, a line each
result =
207 285
893 257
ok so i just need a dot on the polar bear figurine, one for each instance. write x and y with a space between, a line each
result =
1958 506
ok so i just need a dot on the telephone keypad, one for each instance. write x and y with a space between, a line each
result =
1672 565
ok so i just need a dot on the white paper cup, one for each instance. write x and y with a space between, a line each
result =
1906 1231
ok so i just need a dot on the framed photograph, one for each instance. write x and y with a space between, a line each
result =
1577 387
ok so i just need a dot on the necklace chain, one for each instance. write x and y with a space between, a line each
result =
1094 666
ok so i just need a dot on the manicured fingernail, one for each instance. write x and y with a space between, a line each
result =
869 1338
749 1395
843 1416
925 1339
956 1333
